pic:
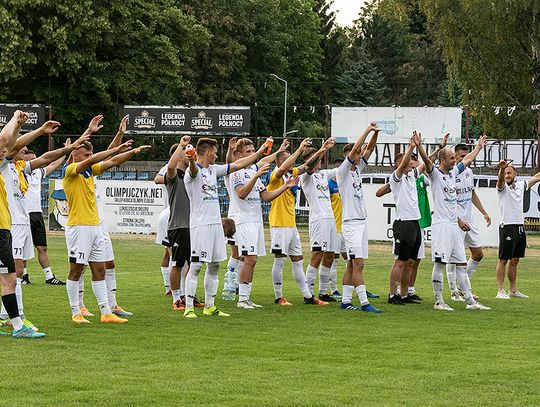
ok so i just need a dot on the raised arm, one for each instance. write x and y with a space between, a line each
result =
272 157
434 155
356 151
533 180
382 191
500 179
476 202
10 132
102 156
244 190
312 161
371 144
289 162
406 160
178 153
50 156
48 127
246 161
269 196
49 169
428 164
122 157
469 158
117 140
229 158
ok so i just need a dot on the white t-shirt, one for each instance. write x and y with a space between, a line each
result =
248 209
511 203
405 195
32 198
350 188
317 192
443 190
464 190
232 204
203 195
16 200
163 173
99 202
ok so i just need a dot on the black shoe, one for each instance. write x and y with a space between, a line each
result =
409 300
415 297
54 281
395 300
25 279
326 298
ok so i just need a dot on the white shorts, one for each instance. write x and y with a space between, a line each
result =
208 243
422 249
85 244
323 236
285 240
23 246
447 243
354 234
250 239
108 253
341 245
163 226
471 238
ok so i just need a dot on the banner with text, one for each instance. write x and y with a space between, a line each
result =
36 115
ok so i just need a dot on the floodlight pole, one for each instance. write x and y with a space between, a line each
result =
284 103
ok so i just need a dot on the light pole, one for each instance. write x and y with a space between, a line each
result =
284 103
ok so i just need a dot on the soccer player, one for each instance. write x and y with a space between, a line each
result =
447 239
8 278
512 238
466 197
354 225
161 235
247 195
85 238
206 230
37 225
285 239
335 201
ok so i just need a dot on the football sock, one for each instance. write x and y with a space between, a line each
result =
237 275
165 271
411 291
347 294
183 281
362 294
73 291
18 294
333 276
176 295
211 283
300 277
277 276
464 283
81 291
311 277
324 277
243 291
48 273
232 265
110 281
451 275
9 302
471 267
100 291
437 281
191 282
25 272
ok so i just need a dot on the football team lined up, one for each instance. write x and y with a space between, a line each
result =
194 233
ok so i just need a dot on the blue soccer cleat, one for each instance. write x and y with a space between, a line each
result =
371 295
370 308
27 332
348 307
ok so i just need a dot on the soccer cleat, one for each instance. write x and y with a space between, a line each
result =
79 319
456 297
5 322
326 298
245 304
517 294
395 300
314 301
475 297
30 325
25 279
27 332
169 293
409 300
253 304
336 295
85 312
442 306
197 303
3 333
112 319
348 307
54 281
414 297
119 311
370 308
214 311
372 295
477 306
282 301
190 313
502 295
179 305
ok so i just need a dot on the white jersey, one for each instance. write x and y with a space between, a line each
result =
16 200
99 201
163 172
443 190
511 203
317 192
32 198
350 188
203 196
232 204
464 190
248 209
405 195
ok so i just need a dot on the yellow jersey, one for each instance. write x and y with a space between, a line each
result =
282 212
81 195
23 182
335 200
5 216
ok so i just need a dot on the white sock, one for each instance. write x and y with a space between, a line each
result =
191 282
48 273
182 281
437 281
243 292
411 291
311 277
347 294
471 267
324 277
237 275
16 323
3 312
110 281
25 272
100 291
165 272
81 291
300 277
72 288
232 265
211 283
451 275
362 295
18 294
464 283
250 286
277 276
176 295
333 276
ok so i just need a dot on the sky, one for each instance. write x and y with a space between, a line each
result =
347 11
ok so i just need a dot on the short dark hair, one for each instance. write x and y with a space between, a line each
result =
173 149
29 152
461 147
338 160
203 144
87 145
308 152
280 154
347 148
243 142
398 157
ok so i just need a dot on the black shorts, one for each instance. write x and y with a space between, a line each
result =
512 241
407 239
181 247
39 233
7 265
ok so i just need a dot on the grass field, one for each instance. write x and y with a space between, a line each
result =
276 356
